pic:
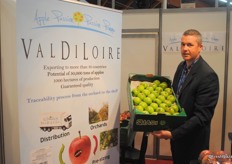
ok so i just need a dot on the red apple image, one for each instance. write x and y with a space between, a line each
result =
79 149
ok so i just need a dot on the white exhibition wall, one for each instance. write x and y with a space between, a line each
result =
139 53
176 21
205 21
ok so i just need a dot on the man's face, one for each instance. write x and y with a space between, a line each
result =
190 49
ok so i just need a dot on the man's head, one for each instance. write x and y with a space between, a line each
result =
191 45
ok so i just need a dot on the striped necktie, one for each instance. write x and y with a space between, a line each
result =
184 74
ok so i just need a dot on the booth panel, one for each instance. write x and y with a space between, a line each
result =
143 18
228 123
138 56
207 22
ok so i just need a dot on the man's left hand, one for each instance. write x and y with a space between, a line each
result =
163 134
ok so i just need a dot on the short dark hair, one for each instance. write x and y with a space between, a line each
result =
195 33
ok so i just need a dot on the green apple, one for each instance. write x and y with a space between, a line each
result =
140 108
146 92
164 93
158 101
141 96
167 113
160 110
143 104
157 82
161 97
150 109
144 83
163 85
171 98
164 106
176 113
150 88
140 88
145 112
168 102
156 93
153 85
171 110
135 92
152 96
147 100
136 100
169 90
159 89
155 106
154 113
175 108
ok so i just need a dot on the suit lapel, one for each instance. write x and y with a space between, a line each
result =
187 81
191 75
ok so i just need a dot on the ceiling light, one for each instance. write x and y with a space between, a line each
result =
225 1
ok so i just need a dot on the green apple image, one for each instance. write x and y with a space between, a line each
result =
135 92
136 100
144 83
169 90
140 108
159 89
149 109
147 100
175 108
160 110
171 98
164 93
157 82
140 88
154 106
145 112
143 104
168 102
161 97
141 96
163 85
152 96
164 106
153 85
146 92
158 101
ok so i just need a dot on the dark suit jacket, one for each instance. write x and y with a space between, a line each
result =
198 97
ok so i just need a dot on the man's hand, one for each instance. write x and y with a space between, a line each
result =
163 134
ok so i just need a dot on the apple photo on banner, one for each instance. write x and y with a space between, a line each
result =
79 149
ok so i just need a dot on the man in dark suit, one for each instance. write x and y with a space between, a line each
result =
197 88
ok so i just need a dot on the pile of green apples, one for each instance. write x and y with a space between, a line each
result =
154 98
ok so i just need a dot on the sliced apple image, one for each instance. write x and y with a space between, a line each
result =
79 149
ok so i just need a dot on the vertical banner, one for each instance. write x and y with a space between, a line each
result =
69 72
